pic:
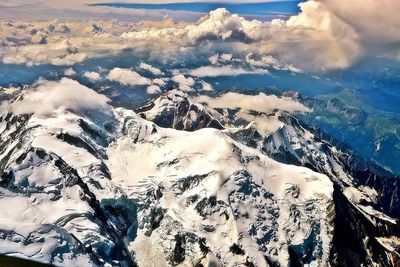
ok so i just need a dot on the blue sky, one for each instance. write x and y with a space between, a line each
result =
262 8
136 10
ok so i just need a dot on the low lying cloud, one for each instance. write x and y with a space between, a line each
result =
261 102
206 86
271 62
160 81
153 89
213 71
266 122
150 68
127 77
92 75
69 72
185 83
220 58
51 97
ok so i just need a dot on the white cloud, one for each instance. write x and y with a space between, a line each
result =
185 83
61 53
69 72
212 71
214 59
325 35
220 58
376 22
315 39
206 86
159 81
226 57
265 123
153 89
181 79
150 68
9 90
127 77
91 75
219 24
51 97
223 25
261 102
270 61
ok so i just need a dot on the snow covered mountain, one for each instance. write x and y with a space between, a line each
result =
176 183
366 199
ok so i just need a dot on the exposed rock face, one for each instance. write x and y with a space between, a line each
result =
175 110
111 188
366 196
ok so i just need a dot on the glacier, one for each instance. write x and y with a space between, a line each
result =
178 183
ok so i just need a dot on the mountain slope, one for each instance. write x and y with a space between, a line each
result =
92 185
366 196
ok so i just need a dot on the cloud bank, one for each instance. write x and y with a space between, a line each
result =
325 35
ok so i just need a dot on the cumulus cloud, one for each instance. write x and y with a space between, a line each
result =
214 59
206 86
150 68
181 79
127 77
92 75
51 97
266 122
9 90
219 24
222 25
325 35
376 22
69 72
212 71
61 53
185 83
220 58
153 89
261 102
63 47
315 39
159 81
270 61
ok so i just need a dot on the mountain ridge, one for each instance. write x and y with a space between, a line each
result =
131 192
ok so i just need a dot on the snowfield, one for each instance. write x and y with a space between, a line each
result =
86 184
199 196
